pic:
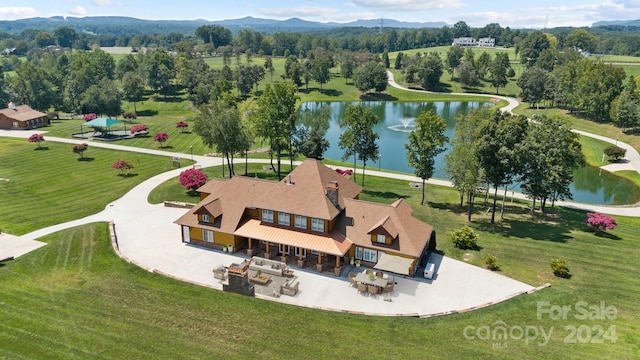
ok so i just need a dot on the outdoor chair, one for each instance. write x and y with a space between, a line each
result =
379 274
369 271
388 288
352 278
362 287
373 290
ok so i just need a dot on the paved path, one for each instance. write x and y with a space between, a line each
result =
148 237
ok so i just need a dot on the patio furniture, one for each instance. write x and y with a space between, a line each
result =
372 289
267 266
362 287
367 280
289 288
220 272
261 279
369 271
352 278
388 288
379 274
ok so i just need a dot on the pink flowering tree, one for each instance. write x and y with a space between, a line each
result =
601 222
140 128
89 117
80 149
344 172
36 138
182 126
192 179
123 166
161 138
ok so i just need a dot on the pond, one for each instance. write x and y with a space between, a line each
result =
590 185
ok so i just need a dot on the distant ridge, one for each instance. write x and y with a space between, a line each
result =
617 22
117 25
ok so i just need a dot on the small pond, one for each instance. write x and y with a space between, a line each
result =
590 185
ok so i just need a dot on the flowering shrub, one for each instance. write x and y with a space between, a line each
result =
344 171
181 125
192 179
122 165
80 149
36 138
89 117
161 138
139 128
601 222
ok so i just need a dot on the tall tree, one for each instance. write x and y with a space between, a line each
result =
132 88
627 112
498 149
309 137
275 117
358 139
531 47
158 70
551 153
533 85
454 57
430 70
371 76
499 69
268 66
347 66
426 141
462 163
219 126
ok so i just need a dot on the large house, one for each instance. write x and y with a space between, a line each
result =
22 118
312 215
469 41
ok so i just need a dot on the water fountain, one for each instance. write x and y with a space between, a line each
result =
406 125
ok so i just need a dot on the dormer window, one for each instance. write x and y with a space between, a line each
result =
381 238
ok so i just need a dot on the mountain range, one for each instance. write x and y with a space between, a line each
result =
116 25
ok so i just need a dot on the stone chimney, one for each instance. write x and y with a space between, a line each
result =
332 193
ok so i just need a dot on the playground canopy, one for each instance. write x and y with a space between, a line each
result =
101 123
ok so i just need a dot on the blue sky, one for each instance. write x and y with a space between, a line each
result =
476 13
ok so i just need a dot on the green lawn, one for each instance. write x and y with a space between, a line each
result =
76 299
52 185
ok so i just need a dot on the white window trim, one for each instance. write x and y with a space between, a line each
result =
370 255
304 252
267 215
381 237
207 236
205 218
317 224
358 253
284 218
301 222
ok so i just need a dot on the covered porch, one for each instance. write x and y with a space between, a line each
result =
309 250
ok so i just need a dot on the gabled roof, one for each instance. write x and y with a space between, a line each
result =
361 217
228 199
303 192
22 113
385 226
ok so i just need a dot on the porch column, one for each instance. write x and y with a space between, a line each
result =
250 249
337 270
267 254
300 260
319 264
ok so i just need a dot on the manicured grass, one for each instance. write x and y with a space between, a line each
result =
52 185
75 298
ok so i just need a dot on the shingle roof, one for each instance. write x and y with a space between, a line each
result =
303 192
361 217
22 113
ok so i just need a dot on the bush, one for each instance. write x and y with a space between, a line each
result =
139 128
36 138
89 117
601 222
181 125
192 179
122 165
161 138
615 152
129 115
560 268
464 238
491 262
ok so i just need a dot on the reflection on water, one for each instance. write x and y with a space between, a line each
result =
397 119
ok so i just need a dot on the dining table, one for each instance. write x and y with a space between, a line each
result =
368 280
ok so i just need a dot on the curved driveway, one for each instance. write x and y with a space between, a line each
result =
148 237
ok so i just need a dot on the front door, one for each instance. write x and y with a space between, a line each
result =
185 234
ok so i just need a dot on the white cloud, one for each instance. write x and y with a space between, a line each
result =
316 13
17 12
78 11
102 2
408 5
